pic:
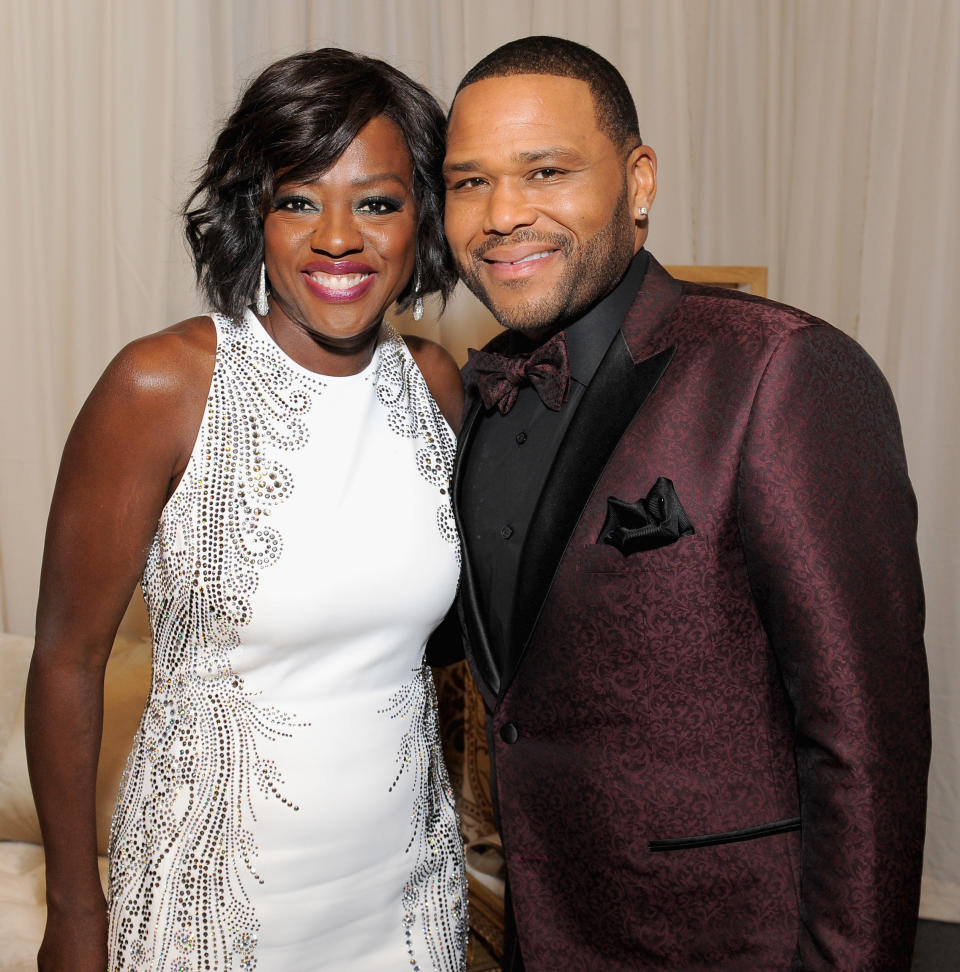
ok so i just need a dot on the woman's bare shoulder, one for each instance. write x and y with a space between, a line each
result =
165 360
155 388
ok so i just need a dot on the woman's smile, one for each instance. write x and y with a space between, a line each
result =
339 281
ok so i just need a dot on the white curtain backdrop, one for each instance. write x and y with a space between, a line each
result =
817 137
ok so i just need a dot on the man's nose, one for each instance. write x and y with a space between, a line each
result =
335 232
508 209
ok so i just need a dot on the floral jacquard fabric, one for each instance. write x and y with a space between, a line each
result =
712 753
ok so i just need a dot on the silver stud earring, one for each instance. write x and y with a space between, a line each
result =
418 303
642 212
262 304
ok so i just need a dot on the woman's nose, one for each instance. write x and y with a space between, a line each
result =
336 232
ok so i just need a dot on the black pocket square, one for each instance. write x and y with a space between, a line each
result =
654 521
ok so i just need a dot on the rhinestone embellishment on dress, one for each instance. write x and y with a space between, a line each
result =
414 414
436 893
182 845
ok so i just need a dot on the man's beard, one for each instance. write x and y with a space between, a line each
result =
590 273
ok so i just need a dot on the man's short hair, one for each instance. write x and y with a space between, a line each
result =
613 103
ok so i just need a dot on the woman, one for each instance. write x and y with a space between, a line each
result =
279 479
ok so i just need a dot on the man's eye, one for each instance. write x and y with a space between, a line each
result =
380 206
472 183
546 173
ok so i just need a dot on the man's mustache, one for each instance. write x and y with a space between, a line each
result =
558 240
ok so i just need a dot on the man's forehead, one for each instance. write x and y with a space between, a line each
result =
526 97
530 111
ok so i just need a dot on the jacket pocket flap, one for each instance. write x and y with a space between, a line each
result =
728 837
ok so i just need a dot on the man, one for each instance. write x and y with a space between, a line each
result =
691 592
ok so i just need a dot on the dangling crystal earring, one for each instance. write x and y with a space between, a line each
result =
418 303
262 304
642 212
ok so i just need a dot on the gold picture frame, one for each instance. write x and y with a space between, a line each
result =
750 279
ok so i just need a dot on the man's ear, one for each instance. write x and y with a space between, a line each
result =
642 178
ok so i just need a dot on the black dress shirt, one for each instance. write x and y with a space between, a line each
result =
510 457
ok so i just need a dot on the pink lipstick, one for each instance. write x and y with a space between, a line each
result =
338 281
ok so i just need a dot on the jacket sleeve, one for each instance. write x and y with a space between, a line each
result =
828 519
445 644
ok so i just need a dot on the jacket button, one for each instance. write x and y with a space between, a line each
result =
509 733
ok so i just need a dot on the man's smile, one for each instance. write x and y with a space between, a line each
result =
539 255
518 261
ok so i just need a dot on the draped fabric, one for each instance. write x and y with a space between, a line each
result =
816 137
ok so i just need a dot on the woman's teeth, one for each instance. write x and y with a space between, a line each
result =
339 281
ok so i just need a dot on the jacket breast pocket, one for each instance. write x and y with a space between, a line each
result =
684 553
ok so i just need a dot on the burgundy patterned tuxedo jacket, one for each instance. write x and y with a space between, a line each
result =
713 754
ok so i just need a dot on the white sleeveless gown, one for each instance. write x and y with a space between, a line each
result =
286 806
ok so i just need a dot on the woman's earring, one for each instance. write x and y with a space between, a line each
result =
262 304
643 212
418 303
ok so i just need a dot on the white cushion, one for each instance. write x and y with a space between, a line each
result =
126 684
18 818
22 907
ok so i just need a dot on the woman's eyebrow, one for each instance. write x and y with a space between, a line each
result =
366 180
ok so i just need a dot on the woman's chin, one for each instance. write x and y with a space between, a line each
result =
345 343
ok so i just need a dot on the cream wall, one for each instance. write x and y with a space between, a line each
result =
818 137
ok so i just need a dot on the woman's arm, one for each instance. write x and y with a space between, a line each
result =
442 376
124 455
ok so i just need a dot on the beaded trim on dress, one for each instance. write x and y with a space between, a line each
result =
187 792
435 895
413 413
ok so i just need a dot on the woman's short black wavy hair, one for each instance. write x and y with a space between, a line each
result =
297 118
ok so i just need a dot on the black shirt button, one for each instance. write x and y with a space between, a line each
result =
509 733
521 438
506 532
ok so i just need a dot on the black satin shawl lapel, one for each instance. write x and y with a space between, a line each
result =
480 655
617 392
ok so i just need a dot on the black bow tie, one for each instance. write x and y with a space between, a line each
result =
500 376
